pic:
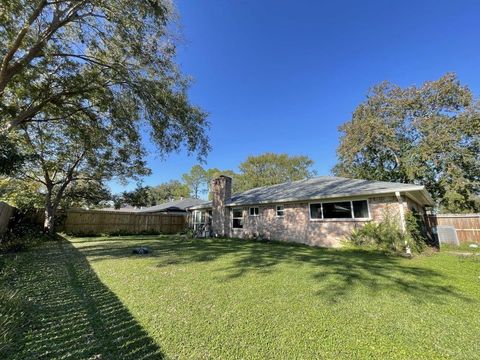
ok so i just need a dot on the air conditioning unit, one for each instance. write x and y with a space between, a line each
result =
446 234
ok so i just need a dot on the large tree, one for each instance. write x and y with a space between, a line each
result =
49 46
427 135
86 194
196 180
106 60
81 82
139 197
213 173
172 190
63 156
270 169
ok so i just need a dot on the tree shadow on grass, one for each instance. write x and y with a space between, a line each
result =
336 271
69 313
163 247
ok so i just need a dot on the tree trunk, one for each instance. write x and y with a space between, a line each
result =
49 224
50 211
53 201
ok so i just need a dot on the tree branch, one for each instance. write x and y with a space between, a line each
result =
8 72
18 41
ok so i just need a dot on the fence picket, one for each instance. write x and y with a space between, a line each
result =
466 225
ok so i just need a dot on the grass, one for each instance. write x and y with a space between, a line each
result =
221 298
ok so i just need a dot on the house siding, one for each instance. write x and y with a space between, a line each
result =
296 225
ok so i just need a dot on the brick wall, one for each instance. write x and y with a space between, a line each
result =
296 225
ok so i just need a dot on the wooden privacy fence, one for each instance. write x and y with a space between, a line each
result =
467 226
6 213
107 222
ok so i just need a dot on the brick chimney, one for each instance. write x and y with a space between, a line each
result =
221 191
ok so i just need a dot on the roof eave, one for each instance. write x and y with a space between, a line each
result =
199 207
333 196
416 188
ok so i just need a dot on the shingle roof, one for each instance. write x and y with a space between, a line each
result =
178 205
319 188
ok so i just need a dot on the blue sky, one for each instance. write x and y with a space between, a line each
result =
281 76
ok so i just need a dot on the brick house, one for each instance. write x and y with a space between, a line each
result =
320 211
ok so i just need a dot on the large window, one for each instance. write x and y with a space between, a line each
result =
337 210
198 219
357 209
237 216
280 211
254 211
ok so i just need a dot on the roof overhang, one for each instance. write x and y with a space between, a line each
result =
200 207
417 193
423 196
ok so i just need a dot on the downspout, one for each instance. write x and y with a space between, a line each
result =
402 220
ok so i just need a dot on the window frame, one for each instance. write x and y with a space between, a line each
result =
200 223
200 212
236 218
250 211
283 211
353 218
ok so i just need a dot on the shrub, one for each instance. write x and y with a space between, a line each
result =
23 234
120 232
187 232
387 234
416 233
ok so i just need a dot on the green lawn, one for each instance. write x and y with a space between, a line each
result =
92 298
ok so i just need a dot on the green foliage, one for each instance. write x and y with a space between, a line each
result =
71 159
22 235
127 233
428 135
167 191
86 194
139 197
385 235
388 236
270 169
79 88
196 180
10 158
24 195
416 233
213 173
262 170
104 60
